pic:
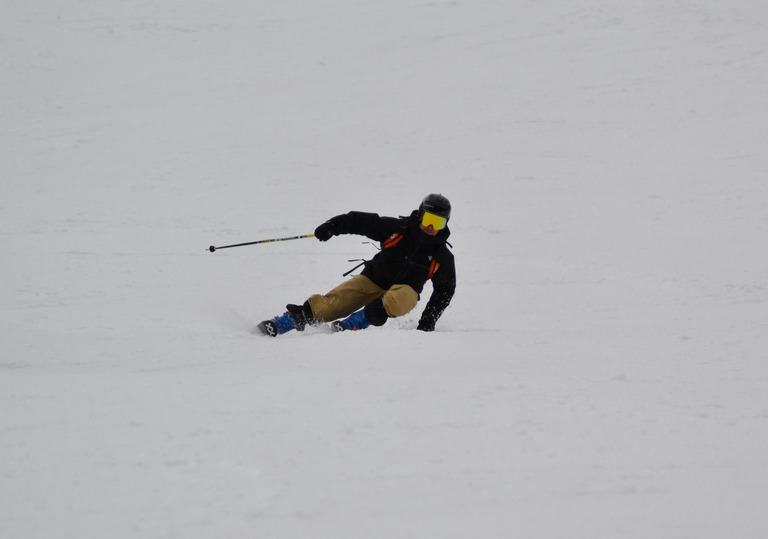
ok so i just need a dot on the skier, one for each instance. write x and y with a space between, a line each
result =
413 250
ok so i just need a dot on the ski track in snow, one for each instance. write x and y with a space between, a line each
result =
600 373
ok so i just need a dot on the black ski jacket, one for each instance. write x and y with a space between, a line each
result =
408 256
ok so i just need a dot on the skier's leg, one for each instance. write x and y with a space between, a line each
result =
397 301
345 299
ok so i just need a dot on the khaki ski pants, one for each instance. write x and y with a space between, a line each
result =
356 293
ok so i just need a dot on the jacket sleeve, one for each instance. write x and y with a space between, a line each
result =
443 288
370 225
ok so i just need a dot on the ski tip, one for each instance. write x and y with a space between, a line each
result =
338 326
268 328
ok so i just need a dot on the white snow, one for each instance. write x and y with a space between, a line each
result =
600 374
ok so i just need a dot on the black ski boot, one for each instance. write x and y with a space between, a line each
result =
301 314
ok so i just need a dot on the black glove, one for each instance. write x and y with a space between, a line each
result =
325 231
425 326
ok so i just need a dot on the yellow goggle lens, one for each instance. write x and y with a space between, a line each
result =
437 222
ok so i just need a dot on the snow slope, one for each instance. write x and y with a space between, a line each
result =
601 372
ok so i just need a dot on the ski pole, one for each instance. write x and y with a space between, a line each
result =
212 248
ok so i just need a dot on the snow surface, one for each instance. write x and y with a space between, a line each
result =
601 372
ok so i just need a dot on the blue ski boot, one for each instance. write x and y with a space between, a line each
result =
353 322
278 325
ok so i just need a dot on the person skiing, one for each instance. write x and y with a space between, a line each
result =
413 250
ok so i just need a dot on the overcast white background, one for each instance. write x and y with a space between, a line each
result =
601 372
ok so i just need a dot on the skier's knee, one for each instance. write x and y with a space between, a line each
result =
399 300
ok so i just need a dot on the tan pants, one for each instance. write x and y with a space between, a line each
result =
356 293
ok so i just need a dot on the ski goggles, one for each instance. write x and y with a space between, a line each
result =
437 222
